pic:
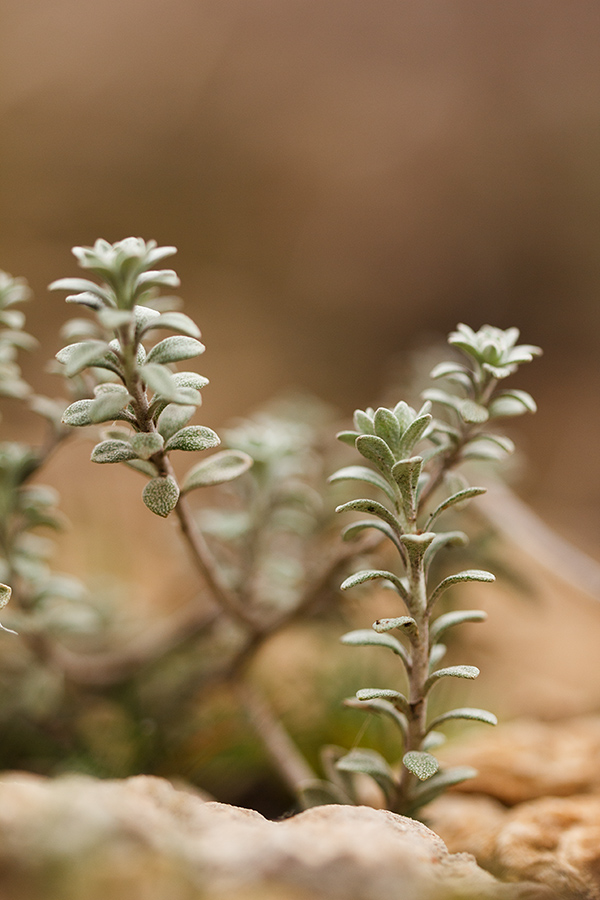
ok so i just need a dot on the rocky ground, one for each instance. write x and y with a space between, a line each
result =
528 828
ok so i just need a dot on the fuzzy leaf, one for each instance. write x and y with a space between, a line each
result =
416 546
348 437
395 697
511 403
361 473
112 452
370 575
406 475
459 497
449 620
190 380
413 434
479 715
193 437
436 655
109 405
434 740
451 672
146 445
467 575
373 507
351 531
442 370
369 762
364 422
173 321
364 637
115 318
78 414
435 395
472 412
322 793
83 354
173 418
161 495
387 427
79 285
421 764
173 349
376 450
219 468
406 624
160 380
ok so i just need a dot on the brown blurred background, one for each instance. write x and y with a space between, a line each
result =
343 180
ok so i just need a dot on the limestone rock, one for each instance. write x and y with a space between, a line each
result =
526 759
554 841
77 837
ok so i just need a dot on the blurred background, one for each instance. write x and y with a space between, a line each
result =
345 181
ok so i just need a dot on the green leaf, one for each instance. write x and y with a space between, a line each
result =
421 764
406 475
436 655
161 495
173 418
173 321
450 619
479 715
109 405
416 546
442 370
190 380
511 403
355 528
404 623
78 414
78 285
219 468
451 672
173 349
361 473
193 437
364 637
376 450
369 762
364 422
373 507
85 354
347 437
160 380
413 434
459 497
112 452
435 395
434 740
395 697
370 575
499 439
467 575
387 427
146 445
472 412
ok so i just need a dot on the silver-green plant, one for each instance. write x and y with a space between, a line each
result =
412 455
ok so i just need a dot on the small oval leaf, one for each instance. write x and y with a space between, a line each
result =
421 764
161 495
193 437
219 468
112 451
146 445
173 349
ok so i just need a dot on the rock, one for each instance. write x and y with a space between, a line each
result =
526 759
77 837
553 841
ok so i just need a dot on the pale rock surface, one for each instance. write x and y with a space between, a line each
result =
533 812
526 759
142 839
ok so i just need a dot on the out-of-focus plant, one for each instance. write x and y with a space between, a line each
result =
413 457
257 558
